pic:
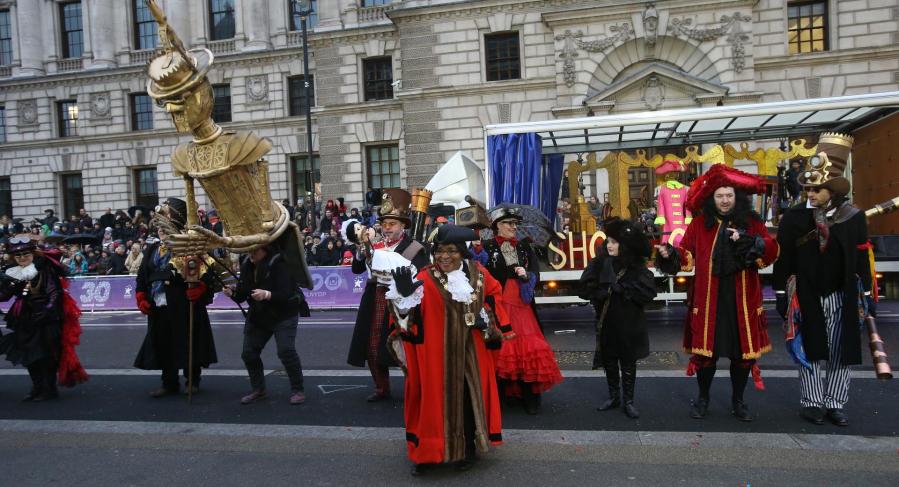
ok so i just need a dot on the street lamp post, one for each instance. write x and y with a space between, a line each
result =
303 9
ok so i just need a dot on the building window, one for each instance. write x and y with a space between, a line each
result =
145 193
145 33
503 60
221 19
141 112
383 166
807 27
304 178
67 116
221 111
6 197
378 78
296 86
295 20
2 124
375 3
72 32
72 193
5 39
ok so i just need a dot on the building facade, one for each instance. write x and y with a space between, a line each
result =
398 87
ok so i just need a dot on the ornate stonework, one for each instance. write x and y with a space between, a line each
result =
650 25
257 88
573 42
653 92
27 112
730 27
100 106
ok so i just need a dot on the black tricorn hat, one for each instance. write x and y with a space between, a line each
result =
456 235
630 236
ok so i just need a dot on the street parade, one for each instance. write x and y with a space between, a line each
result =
471 312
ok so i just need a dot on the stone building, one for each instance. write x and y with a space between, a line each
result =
398 86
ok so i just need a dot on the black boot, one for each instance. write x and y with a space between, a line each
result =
48 388
614 383
35 372
628 381
739 376
530 398
704 378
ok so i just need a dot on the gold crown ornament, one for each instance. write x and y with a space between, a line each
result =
826 168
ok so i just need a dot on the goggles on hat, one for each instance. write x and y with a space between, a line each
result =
22 239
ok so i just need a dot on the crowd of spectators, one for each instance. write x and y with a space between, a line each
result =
113 243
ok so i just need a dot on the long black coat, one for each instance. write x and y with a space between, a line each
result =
803 261
623 332
37 322
362 330
166 342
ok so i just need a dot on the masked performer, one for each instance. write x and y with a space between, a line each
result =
824 259
369 343
164 296
43 318
727 244
619 285
447 317
525 364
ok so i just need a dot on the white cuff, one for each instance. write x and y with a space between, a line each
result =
404 303
780 292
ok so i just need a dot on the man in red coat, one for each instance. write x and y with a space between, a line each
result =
726 245
448 319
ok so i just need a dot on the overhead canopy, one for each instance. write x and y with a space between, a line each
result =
787 119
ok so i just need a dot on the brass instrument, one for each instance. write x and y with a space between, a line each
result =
421 199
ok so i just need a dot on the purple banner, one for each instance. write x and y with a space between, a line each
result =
333 287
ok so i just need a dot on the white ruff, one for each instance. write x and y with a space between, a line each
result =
459 287
22 273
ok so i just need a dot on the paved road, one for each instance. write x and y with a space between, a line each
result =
109 432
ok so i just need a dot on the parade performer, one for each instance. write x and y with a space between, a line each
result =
726 244
672 214
369 342
448 317
43 318
817 280
526 364
274 301
163 294
619 286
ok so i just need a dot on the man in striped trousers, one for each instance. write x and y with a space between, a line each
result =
824 245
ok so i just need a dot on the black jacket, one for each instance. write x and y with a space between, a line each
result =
271 275
802 259
623 332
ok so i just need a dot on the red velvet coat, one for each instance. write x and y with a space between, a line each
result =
695 250
432 435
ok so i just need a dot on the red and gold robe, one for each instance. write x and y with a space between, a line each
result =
695 251
443 354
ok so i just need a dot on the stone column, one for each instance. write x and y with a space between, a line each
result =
256 24
329 14
28 24
102 33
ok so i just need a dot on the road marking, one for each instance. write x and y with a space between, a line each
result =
571 374
152 432
332 388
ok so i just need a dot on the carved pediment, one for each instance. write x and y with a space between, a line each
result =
655 86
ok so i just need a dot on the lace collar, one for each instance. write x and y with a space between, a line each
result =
22 273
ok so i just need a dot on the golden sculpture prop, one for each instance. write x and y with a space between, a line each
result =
228 165
618 163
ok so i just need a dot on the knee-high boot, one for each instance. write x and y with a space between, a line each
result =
739 377
628 381
612 379
704 378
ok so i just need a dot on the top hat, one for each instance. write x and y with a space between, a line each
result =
395 204
828 166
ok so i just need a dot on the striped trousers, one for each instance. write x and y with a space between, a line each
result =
830 391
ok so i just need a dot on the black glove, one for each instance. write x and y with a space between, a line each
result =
782 305
402 276
872 306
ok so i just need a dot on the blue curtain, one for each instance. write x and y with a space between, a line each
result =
551 186
515 167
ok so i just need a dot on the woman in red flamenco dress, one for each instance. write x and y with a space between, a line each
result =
526 364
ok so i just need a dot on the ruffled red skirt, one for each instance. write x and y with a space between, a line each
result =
527 357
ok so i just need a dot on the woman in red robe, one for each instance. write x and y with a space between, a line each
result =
448 319
726 245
